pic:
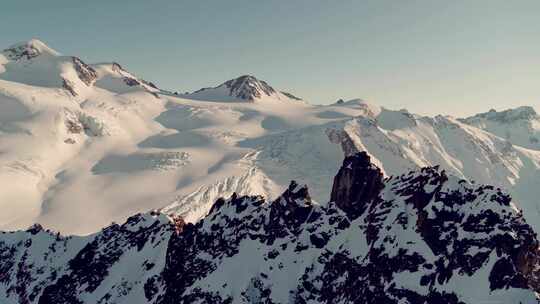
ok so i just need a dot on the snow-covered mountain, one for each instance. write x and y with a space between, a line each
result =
58 117
245 88
520 126
421 237
34 63
82 145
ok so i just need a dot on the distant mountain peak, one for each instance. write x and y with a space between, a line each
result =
243 88
28 50
519 126
506 116
248 87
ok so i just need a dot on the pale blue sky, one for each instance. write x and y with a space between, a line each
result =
430 56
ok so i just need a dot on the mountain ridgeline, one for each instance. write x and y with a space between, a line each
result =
95 131
86 144
421 237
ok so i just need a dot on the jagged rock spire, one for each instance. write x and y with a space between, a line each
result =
357 183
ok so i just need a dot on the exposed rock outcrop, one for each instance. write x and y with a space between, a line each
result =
357 184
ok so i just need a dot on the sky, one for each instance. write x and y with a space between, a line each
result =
429 56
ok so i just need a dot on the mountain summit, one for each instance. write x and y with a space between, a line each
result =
245 88
249 88
28 50
34 63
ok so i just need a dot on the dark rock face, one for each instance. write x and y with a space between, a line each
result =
422 237
357 184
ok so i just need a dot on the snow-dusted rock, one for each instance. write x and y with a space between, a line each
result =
421 237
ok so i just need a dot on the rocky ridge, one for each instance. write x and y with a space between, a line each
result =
421 237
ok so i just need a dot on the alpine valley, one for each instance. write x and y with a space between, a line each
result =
242 193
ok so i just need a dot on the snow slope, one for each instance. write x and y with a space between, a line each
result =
82 145
55 126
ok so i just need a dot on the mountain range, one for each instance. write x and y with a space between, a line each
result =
422 209
83 145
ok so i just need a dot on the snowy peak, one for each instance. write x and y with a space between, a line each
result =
245 88
28 50
34 63
506 116
249 88
519 126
